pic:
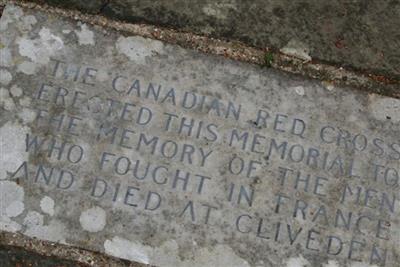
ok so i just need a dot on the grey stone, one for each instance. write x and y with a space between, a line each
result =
92 6
355 34
160 155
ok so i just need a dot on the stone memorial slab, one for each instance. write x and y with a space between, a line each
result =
152 153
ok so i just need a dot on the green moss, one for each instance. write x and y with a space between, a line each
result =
268 59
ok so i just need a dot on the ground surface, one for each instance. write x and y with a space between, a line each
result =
357 34
17 257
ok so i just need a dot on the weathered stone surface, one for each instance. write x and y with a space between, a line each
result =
161 155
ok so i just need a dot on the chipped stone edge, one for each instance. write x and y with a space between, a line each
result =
329 74
50 249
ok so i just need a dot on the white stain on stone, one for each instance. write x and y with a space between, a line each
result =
299 90
25 101
47 205
34 223
28 22
8 225
16 91
55 231
66 31
12 147
11 205
299 261
27 115
5 20
125 249
331 263
85 36
93 220
40 50
360 264
385 109
296 49
10 14
27 67
12 197
138 48
5 57
5 77
15 209
6 100
33 219
168 254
